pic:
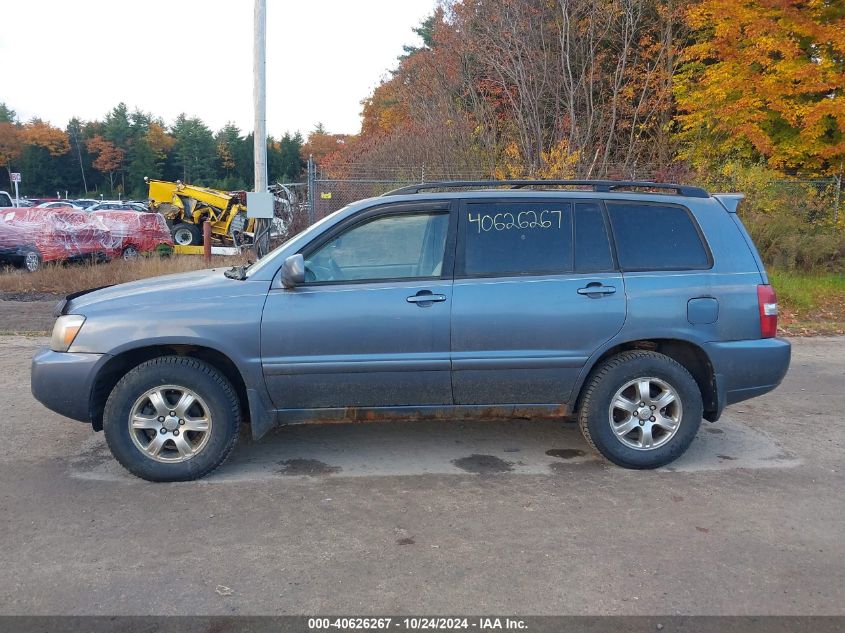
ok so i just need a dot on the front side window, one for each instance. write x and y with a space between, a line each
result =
656 237
514 238
398 246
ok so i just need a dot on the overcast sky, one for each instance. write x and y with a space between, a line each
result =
64 58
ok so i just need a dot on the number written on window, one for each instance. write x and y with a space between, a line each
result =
546 219
520 237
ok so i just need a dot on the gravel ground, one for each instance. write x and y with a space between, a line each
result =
500 517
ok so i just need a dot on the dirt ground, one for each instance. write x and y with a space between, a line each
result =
499 517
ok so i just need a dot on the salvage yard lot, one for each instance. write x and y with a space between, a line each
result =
499 517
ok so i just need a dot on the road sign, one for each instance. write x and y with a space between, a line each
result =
16 177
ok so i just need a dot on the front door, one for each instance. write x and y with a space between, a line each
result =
370 326
536 293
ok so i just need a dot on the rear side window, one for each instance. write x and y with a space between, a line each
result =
656 237
502 238
592 245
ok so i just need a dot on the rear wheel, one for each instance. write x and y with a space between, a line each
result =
172 419
640 409
185 234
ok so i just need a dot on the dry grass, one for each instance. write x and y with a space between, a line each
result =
66 278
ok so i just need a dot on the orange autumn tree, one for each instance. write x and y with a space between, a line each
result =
109 158
765 79
41 134
11 145
159 140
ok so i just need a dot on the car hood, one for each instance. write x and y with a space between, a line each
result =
181 287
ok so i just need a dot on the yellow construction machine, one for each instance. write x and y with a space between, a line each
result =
186 207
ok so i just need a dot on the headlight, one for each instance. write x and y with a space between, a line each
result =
65 330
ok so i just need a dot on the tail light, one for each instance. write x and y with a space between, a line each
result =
767 302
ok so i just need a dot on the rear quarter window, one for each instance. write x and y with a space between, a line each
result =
656 237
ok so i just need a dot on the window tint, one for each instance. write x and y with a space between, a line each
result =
592 246
389 247
517 237
656 237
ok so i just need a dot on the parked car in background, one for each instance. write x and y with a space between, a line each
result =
117 205
85 203
6 200
139 204
30 237
59 204
637 308
138 232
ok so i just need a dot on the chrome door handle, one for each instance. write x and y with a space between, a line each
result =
596 288
425 297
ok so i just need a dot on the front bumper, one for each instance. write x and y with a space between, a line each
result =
747 369
13 254
63 381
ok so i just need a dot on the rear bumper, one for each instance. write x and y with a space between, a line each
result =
747 369
63 381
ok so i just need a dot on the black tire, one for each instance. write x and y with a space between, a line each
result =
130 253
204 380
594 415
182 230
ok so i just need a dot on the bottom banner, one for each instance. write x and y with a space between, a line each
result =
402 623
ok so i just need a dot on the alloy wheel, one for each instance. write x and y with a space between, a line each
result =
31 261
170 423
645 413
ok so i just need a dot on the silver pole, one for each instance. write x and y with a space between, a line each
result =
259 95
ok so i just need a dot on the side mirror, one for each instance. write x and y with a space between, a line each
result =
293 271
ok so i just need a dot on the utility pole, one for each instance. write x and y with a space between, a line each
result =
259 96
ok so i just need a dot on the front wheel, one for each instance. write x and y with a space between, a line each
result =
185 234
172 419
640 409
130 253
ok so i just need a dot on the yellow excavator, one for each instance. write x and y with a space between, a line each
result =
186 207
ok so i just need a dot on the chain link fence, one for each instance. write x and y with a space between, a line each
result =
326 191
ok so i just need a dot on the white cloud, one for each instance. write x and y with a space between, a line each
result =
61 58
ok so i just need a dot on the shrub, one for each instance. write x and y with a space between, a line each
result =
790 221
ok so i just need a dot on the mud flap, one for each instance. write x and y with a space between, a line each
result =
262 414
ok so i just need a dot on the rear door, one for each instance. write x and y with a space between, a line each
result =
536 291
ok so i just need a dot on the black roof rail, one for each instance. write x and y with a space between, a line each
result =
606 186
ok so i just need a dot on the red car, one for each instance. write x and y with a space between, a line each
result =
31 236
136 232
